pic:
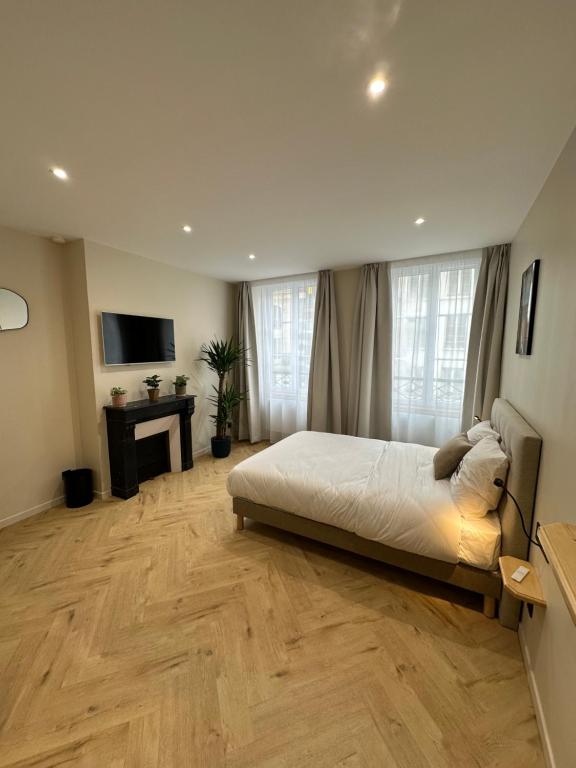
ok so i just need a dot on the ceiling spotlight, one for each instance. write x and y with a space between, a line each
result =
58 239
252 257
376 87
187 228
419 221
60 173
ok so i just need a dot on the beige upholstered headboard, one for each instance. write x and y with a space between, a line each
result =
522 445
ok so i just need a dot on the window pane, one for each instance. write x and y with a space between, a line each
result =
432 308
284 318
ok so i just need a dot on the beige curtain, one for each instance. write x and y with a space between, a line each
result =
324 400
482 385
369 401
247 422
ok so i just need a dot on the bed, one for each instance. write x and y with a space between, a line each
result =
379 499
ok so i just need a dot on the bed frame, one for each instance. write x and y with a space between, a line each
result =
522 446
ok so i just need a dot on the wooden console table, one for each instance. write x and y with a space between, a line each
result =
559 542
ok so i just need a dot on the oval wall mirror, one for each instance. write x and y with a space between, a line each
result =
13 310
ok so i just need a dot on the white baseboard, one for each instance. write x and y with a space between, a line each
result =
540 718
11 519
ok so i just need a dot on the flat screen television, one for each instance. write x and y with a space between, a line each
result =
131 339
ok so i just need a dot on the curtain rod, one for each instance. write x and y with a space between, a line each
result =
287 279
439 258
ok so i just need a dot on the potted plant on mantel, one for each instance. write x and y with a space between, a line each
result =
222 357
153 384
180 384
119 397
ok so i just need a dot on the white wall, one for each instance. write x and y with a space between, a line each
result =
54 382
543 388
83 391
201 308
39 435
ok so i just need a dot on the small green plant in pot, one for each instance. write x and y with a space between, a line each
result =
222 357
180 382
153 384
119 397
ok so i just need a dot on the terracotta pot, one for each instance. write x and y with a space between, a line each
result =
153 394
181 390
119 401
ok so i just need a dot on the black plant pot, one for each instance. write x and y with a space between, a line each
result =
221 447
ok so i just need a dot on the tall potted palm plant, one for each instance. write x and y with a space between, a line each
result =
222 356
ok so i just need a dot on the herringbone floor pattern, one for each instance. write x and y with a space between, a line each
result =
148 633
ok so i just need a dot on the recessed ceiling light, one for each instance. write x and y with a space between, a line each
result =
187 228
58 239
376 87
252 257
419 221
60 173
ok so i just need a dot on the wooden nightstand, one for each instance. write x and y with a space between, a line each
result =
529 589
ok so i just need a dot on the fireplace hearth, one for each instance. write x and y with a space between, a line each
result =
153 455
138 457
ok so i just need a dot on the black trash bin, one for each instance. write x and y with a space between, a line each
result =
78 487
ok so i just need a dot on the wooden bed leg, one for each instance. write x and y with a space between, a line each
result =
239 522
489 607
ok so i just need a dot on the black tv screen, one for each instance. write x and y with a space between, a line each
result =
130 339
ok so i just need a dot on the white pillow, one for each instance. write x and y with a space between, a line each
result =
472 485
481 430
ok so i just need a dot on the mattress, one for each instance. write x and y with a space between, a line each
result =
383 491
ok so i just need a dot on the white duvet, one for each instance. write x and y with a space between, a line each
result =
379 490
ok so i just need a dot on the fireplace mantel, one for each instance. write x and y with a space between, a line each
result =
121 425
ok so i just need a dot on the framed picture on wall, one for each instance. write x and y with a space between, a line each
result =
527 309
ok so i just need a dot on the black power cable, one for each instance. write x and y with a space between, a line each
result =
500 484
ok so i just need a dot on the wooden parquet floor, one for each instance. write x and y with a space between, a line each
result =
149 633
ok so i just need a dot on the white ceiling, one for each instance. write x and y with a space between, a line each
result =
249 120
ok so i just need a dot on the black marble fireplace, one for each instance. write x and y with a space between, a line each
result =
134 460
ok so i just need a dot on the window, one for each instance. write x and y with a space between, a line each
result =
284 319
432 310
